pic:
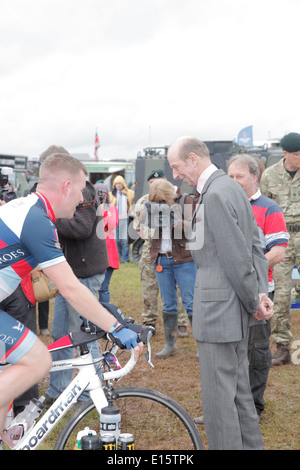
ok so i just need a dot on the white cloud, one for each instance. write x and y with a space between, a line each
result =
144 72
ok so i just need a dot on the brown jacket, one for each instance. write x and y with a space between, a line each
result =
180 251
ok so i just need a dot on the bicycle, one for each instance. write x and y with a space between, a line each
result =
155 420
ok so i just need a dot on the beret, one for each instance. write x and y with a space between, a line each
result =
291 142
156 174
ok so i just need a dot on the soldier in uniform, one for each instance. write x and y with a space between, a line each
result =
281 182
150 288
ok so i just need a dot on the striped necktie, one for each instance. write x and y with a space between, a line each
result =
196 199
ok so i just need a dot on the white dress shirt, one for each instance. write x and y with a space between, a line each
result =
204 176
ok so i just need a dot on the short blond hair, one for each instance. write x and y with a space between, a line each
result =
162 190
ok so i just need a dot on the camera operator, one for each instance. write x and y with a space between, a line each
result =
172 260
7 191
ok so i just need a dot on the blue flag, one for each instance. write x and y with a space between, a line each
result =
245 137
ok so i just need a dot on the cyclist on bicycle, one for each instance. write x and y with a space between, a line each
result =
28 238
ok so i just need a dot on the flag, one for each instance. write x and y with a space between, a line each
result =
97 145
245 137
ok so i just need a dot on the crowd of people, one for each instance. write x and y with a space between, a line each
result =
226 287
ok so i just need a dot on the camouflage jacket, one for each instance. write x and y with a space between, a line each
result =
145 232
277 184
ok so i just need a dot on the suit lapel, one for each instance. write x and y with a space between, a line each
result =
212 177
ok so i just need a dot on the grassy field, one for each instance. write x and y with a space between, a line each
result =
179 376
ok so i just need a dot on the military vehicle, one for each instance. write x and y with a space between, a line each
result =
269 153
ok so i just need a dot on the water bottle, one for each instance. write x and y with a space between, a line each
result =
90 442
23 422
110 421
86 431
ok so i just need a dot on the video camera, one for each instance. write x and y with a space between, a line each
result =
7 192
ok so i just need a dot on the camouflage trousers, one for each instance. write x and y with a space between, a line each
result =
150 293
282 300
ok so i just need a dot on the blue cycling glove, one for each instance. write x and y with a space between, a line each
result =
124 337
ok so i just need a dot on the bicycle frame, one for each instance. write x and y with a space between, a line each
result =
86 379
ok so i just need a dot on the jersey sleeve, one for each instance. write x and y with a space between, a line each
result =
275 229
39 235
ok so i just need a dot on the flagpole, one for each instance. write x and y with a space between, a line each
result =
97 145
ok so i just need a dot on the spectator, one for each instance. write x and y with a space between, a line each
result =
122 198
110 221
172 261
150 288
281 182
274 237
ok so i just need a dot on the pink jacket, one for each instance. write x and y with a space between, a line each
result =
111 220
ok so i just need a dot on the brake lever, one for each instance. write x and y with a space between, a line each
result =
145 337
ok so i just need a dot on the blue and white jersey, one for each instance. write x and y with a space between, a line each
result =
28 237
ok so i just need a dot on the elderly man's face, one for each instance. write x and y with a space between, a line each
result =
183 169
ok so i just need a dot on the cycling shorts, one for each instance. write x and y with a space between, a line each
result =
15 339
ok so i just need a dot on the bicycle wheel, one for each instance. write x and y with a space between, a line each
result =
155 420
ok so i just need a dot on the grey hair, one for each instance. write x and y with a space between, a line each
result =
248 160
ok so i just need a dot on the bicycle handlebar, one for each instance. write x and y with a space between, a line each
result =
144 336
117 374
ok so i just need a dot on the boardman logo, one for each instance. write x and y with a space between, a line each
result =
49 419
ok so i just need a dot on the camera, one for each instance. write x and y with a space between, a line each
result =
101 196
7 192
159 215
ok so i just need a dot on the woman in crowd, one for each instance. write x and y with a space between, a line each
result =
122 198
110 221
172 259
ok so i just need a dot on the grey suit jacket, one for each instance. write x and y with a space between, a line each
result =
231 266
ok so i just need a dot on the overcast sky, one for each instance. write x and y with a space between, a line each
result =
144 72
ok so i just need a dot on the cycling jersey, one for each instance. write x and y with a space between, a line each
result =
28 238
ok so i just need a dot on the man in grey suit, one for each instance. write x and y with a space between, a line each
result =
230 294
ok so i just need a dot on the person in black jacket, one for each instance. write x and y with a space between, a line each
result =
83 241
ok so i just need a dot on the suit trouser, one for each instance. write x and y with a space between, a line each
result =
229 413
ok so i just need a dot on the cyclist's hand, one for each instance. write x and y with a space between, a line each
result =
126 338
